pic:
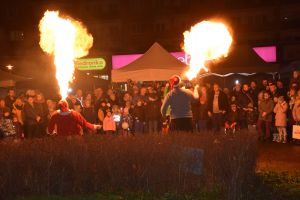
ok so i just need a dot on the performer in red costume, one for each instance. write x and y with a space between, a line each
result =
67 122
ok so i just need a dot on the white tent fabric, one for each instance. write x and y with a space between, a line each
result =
156 64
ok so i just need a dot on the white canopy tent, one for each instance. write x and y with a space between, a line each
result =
156 64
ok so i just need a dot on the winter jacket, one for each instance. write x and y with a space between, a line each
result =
68 123
195 110
139 113
233 117
89 114
9 102
222 101
42 111
280 110
179 100
266 106
244 99
109 124
203 112
296 111
18 112
30 114
3 111
254 94
153 109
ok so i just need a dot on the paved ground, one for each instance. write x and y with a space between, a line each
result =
279 157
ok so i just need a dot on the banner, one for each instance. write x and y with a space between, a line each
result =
87 64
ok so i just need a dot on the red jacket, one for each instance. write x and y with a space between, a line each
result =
109 124
68 123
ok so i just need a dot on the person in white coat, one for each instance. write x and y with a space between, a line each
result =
280 111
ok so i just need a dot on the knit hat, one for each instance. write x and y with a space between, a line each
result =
63 106
175 81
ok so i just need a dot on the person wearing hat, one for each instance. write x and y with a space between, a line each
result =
179 100
68 122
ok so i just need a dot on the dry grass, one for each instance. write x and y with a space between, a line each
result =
141 163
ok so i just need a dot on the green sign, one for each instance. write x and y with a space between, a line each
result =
86 64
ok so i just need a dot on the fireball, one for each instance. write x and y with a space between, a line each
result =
66 40
205 41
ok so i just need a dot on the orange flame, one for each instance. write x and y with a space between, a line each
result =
66 40
205 41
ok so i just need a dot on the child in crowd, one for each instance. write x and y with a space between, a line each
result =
280 111
233 117
126 123
109 125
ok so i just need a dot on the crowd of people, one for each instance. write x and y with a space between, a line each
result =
269 108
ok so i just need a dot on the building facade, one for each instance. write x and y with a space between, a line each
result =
132 26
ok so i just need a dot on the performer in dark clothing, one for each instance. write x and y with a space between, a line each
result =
244 100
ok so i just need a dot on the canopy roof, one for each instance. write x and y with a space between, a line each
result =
155 65
8 79
242 59
6 76
158 64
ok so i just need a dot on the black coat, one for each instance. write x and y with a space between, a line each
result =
153 111
138 113
30 114
42 111
222 100
244 100
233 117
203 115
89 114
254 93
9 102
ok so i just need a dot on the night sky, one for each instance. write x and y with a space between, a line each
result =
123 27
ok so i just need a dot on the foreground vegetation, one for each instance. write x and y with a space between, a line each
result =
270 186
181 166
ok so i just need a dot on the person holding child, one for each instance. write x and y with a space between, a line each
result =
109 125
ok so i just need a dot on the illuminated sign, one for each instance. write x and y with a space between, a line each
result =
86 64
268 54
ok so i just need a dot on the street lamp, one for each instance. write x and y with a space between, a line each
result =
9 67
